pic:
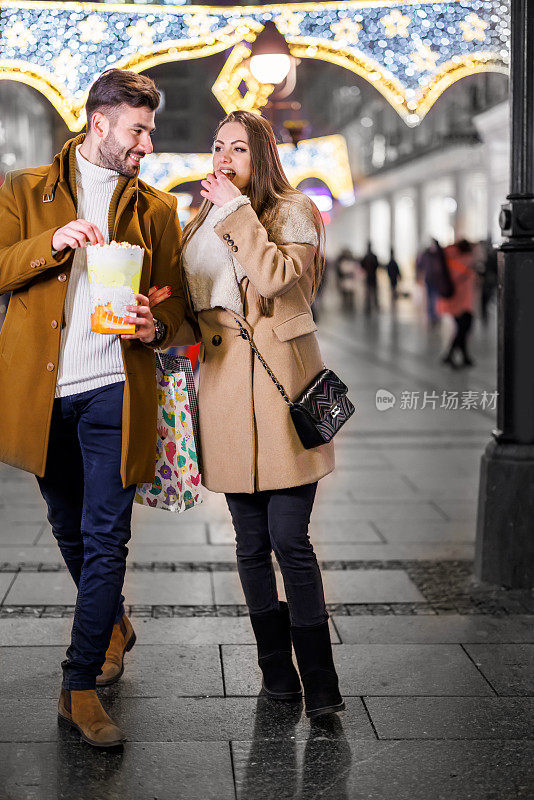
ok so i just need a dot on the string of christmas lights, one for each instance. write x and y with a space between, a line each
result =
410 51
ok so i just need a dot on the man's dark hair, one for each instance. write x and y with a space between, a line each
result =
117 86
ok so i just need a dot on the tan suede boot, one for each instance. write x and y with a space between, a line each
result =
82 710
122 639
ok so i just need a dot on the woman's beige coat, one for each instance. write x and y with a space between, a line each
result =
248 441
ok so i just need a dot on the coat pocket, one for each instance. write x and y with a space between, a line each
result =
294 327
12 327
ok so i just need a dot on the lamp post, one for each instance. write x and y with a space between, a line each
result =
505 524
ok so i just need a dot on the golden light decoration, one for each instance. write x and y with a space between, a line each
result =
346 30
410 50
473 28
424 59
396 23
19 37
141 34
93 29
65 63
227 87
288 21
324 158
199 26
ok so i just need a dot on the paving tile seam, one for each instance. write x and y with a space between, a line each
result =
217 566
335 609
479 670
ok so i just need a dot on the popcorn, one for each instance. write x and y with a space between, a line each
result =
114 278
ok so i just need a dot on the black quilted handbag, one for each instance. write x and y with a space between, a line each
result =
322 408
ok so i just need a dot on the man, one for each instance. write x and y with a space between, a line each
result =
370 266
79 408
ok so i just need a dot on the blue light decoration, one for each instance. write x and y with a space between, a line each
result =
410 51
325 158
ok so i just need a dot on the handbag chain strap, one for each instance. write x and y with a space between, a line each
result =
245 335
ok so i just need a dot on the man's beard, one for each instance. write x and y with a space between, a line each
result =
112 156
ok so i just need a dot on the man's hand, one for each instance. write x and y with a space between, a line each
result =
144 326
77 233
219 189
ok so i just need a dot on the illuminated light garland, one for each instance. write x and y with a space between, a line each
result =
325 158
410 50
227 87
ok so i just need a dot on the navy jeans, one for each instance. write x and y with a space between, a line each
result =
90 514
278 520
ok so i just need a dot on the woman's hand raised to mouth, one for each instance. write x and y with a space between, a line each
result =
219 189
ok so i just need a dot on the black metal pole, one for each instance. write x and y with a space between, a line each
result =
505 525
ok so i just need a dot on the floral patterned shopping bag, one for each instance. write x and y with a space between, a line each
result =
176 484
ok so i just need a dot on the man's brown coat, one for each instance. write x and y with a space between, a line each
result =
34 203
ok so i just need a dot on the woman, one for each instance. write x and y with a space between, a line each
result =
461 305
251 257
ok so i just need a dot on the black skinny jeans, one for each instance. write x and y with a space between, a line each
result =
278 520
463 326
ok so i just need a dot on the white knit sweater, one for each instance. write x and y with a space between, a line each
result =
87 360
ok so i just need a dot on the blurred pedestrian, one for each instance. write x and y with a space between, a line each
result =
489 278
346 267
394 275
461 303
370 266
429 270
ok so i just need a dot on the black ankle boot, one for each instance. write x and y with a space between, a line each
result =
272 632
317 671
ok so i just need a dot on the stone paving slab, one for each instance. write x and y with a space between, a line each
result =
13 513
344 531
426 532
341 586
188 630
6 579
150 671
434 629
342 769
424 551
452 717
153 535
390 485
330 513
508 667
138 553
28 632
68 770
146 588
458 509
182 719
225 554
25 533
376 670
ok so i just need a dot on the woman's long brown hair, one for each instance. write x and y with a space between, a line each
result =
268 186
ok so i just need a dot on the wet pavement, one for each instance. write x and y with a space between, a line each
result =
437 669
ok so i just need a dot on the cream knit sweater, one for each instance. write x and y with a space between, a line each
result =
87 360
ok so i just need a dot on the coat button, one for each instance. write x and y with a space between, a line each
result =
42 262
62 277
33 264
50 367
226 236
54 323
235 248
230 242
216 340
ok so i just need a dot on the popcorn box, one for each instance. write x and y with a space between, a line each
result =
114 278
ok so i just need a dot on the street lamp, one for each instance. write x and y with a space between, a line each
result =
505 525
270 59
